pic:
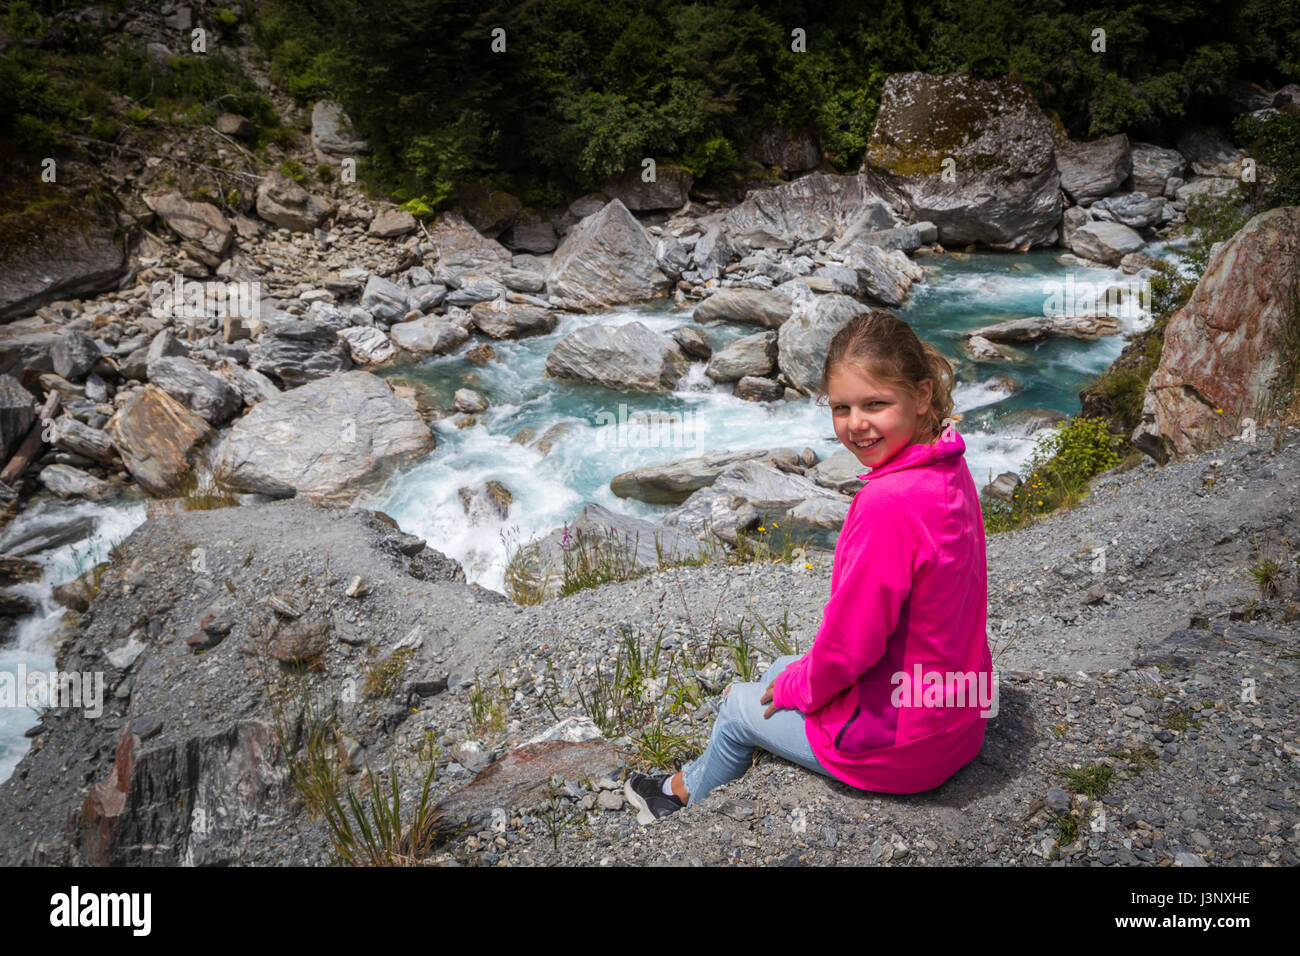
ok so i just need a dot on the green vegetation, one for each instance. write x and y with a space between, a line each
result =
382 676
1057 474
1092 780
381 837
489 706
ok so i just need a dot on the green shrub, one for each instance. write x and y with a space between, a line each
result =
1274 142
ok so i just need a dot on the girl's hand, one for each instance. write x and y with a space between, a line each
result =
767 698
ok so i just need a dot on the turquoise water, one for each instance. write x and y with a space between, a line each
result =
959 294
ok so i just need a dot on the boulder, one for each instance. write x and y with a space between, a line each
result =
385 300
625 357
754 306
501 319
74 355
367 345
1207 187
1135 210
1029 421
196 388
300 350
68 482
597 534
606 259
207 231
530 233
1107 242
1153 166
27 344
804 338
1224 349
469 401
1209 152
45 533
471 288
817 206
457 244
692 343
283 202
670 189
712 252
1036 328
1071 220
884 275
756 388
157 437
1003 189
838 472
747 355
17 415
490 500
324 439
490 211
391 223
431 334
332 137
1091 170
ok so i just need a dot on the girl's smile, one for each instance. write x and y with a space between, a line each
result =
874 420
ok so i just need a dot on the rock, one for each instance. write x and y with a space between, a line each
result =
805 337
754 306
839 472
501 319
322 439
490 499
490 211
1004 486
332 136
156 437
208 231
1091 170
886 276
1106 242
982 350
1136 262
74 355
68 245
611 800
606 259
790 151
712 253
299 351
196 388
1029 421
468 400
621 539
46 534
14 570
68 482
670 188
92 443
1057 800
385 300
1209 153
24 346
430 334
1223 349
747 355
1207 187
692 343
283 202
521 778
1153 166
300 641
472 288
754 388
17 415
673 257
624 357
251 385
391 223
1006 191
531 233
367 345
674 482
1071 220
124 656
481 354
457 244
522 280
1036 328
1135 210
232 124
817 206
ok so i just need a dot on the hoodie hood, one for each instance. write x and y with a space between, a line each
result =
949 444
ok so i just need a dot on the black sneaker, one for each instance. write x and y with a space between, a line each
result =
647 795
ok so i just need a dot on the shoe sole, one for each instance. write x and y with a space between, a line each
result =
644 816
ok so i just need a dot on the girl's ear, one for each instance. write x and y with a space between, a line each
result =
924 394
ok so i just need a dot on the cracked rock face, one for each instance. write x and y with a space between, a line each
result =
1223 349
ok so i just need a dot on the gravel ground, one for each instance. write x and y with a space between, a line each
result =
1126 731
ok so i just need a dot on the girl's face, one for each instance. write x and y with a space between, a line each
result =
872 419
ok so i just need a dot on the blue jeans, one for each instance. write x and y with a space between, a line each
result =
740 728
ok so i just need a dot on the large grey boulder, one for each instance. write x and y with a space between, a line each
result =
1135 210
756 306
1036 328
598 533
457 244
712 252
803 340
367 345
207 232
157 438
670 189
501 319
839 472
1001 188
817 206
283 202
747 355
884 275
332 136
17 415
385 300
27 343
300 351
1092 170
431 334
1107 242
69 482
74 355
675 481
606 259
196 388
628 356
1153 166
325 439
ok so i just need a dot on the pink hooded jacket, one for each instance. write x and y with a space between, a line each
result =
896 682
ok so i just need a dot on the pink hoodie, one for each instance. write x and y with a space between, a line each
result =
895 683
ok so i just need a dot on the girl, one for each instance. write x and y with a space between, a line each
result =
894 693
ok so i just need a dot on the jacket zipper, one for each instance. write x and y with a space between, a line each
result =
847 724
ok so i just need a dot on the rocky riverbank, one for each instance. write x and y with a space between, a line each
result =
1144 711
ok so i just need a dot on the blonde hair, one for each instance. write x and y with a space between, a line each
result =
886 348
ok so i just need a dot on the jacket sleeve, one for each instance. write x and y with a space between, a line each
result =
862 612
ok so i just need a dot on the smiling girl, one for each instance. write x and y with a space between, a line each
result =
883 700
